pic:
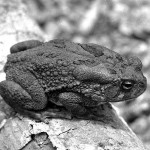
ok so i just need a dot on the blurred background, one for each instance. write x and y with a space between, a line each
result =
121 25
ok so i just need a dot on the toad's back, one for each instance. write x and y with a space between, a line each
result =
53 62
65 50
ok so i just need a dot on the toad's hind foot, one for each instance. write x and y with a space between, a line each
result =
45 115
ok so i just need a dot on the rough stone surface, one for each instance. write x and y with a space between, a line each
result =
109 133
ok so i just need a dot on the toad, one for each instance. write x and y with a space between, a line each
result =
70 75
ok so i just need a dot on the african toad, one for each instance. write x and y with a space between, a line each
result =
73 75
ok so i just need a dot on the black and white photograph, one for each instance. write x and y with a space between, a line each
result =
74 74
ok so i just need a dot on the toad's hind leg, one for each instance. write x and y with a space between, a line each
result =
22 91
22 102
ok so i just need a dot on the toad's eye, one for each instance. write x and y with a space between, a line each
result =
127 85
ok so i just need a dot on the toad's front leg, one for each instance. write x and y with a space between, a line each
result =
75 103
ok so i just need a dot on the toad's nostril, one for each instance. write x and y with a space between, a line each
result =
143 84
